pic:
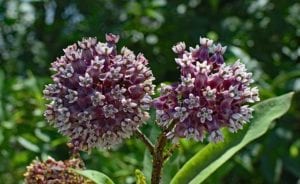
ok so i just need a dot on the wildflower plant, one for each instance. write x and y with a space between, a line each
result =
101 96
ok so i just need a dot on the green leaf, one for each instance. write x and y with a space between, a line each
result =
212 156
28 145
95 176
2 78
147 165
134 8
154 133
1 136
155 15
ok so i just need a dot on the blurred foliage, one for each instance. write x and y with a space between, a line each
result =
265 34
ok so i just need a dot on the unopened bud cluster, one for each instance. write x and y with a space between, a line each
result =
211 94
98 97
54 172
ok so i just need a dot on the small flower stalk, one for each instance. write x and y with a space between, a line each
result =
54 172
98 97
211 94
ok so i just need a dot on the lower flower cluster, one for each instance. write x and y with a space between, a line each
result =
54 172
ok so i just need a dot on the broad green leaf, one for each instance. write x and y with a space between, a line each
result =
154 133
212 156
147 165
95 176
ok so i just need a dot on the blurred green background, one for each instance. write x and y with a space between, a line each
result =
264 34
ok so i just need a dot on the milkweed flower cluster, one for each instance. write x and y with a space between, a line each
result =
54 172
98 97
211 94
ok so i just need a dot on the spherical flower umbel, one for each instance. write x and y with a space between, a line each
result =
211 94
98 97
55 172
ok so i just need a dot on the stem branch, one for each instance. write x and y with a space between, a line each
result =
146 140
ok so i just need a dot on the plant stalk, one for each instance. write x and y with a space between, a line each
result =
158 156
158 159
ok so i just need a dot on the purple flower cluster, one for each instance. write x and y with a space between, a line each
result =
98 97
54 172
211 94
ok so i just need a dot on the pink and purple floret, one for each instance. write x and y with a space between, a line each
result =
210 95
98 97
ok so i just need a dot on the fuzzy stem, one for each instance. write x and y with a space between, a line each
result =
158 156
158 159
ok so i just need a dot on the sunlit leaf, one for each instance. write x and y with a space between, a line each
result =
95 176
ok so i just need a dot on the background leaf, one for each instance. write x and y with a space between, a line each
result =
95 176
211 157
28 145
